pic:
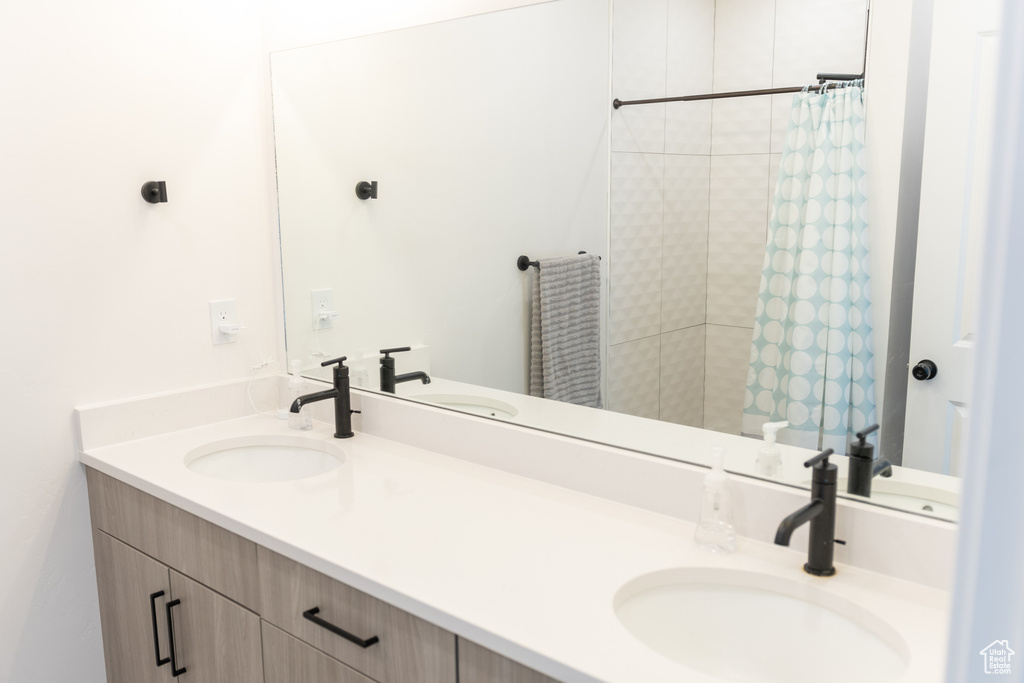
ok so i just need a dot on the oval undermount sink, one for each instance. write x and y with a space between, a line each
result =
477 405
746 627
265 459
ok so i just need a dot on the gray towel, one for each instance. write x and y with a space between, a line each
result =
565 344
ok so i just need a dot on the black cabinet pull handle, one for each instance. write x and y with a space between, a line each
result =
156 636
175 671
311 614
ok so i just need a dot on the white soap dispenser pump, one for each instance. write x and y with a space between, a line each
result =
769 458
715 531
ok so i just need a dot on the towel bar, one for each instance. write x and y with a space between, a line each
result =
524 262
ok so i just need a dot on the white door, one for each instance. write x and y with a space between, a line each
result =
958 137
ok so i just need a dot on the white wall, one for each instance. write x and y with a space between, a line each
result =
488 137
296 23
103 295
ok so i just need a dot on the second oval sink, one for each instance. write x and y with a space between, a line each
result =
265 459
746 627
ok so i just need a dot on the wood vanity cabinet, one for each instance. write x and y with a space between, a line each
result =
479 665
213 639
240 613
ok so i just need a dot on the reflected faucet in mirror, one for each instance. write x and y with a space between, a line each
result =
388 378
863 467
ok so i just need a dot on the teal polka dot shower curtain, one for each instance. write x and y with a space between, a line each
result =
811 359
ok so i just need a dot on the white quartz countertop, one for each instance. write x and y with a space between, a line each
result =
522 567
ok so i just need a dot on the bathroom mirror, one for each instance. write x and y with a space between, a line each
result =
493 136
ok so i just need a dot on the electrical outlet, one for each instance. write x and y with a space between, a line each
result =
222 311
323 305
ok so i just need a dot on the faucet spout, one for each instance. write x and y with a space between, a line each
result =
798 518
313 398
411 376
882 468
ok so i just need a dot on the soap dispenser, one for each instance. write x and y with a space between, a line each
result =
715 531
769 458
296 385
359 376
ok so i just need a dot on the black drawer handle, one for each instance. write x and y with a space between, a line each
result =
175 671
311 614
156 637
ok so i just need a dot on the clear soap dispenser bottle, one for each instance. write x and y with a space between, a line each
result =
359 377
715 530
769 458
296 385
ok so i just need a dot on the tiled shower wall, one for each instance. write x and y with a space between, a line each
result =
692 185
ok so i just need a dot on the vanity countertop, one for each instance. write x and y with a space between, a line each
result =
525 568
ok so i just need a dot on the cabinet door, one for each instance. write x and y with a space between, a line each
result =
216 640
289 660
479 665
126 580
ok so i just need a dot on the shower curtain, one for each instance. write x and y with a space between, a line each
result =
811 360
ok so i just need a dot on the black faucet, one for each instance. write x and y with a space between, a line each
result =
388 379
821 513
342 399
863 467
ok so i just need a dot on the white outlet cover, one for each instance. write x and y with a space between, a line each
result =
222 311
322 300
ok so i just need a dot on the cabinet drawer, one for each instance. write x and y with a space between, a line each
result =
288 660
480 665
211 555
409 650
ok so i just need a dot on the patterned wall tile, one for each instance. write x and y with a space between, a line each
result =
773 177
782 107
682 376
638 72
738 226
684 267
691 52
726 359
815 36
636 246
741 126
744 38
633 377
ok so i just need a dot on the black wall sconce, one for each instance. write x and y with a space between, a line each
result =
365 190
155 191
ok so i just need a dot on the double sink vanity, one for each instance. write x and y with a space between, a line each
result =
442 547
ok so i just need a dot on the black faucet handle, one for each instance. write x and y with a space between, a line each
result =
386 352
863 434
339 361
820 457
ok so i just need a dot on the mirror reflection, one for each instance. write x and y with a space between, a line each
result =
749 260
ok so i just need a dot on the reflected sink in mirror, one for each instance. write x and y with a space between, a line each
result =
909 496
265 459
477 405
744 626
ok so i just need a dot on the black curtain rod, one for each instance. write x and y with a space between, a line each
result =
823 80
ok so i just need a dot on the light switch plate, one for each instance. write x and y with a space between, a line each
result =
222 311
